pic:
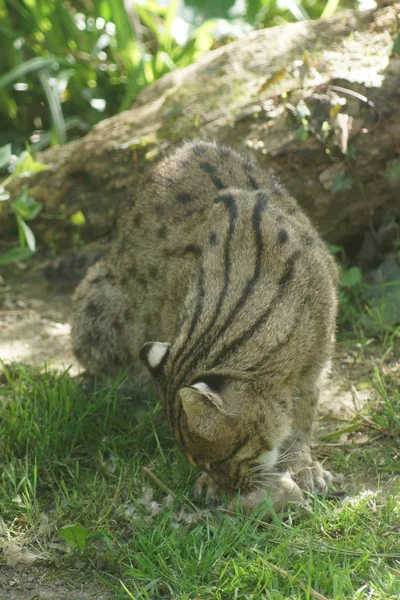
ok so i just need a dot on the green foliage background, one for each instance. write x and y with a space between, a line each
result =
66 64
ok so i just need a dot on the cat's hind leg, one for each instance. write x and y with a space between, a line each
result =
98 324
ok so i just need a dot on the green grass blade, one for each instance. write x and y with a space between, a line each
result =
330 9
126 38
30 66
54 106
169 18
6 31
297 10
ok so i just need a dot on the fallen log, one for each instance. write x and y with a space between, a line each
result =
318 102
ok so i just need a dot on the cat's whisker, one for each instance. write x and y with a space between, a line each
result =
264 482
287 453
256 468
267 475
283 459
287 450
265 489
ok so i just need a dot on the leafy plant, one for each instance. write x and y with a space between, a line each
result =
392 172
396 44
24 207
67 65
77 535
350 277
341 183
367 308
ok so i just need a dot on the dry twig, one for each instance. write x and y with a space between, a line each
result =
299 584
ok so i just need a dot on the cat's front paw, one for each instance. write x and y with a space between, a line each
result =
284 493
205 486
312 477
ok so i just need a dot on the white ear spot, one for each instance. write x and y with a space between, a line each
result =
206 391
268 458
202 387
153 355
157 353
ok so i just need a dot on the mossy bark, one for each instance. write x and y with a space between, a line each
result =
318 102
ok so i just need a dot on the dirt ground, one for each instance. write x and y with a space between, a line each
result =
34 330
34 320
38 583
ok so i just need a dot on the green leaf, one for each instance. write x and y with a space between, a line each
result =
27 234
350 277
5 156
396 44
15 255
341 183
352 151
389 305
75 535
26 164
78 218
392 172
334 249
26 206
301 134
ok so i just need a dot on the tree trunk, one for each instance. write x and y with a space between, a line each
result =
318 102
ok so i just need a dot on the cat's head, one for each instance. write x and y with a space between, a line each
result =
231 428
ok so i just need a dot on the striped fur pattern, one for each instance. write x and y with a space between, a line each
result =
217 262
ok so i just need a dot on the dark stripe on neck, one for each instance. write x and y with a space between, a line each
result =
248 334
250 285
196 251
249 288
230 203
200 300
257 368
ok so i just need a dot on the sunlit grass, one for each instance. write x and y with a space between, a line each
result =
71 456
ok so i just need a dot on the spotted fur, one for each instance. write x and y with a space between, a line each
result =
216 261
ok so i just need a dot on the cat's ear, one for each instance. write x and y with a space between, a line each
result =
203 408
154 355
192 397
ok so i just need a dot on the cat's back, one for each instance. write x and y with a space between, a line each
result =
178 196
209 230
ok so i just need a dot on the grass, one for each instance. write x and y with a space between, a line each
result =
70 457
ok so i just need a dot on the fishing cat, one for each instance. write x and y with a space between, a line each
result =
216 261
